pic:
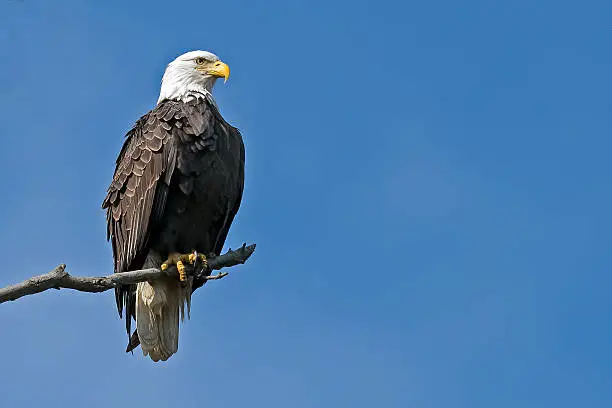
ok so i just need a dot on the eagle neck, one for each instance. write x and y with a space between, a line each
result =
184 87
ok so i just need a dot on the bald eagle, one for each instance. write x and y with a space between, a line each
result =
177 186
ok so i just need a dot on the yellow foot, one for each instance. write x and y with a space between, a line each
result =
180 259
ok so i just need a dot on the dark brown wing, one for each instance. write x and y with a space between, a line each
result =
236 138
137 195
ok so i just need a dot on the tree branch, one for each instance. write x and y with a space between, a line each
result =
59 278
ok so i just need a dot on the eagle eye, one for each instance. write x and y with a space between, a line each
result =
200 60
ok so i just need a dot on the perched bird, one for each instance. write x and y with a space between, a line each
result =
177 186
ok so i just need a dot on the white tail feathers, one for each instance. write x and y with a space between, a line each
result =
158 305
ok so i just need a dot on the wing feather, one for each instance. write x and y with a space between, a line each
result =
137 195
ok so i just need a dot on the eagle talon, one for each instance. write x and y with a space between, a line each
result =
179 260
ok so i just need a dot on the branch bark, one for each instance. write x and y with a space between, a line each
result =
58 278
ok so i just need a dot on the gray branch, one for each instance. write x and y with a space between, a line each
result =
58 278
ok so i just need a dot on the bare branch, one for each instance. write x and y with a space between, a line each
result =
59 278
218 276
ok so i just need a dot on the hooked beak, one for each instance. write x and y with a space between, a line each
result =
219 69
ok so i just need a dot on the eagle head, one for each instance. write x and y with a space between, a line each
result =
194 72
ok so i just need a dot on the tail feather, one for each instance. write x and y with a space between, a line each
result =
133 343
158 305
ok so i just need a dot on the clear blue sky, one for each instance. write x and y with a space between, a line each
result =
428 184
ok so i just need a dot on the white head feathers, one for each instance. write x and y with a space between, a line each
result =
192 74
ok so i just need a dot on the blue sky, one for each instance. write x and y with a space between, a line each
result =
427 183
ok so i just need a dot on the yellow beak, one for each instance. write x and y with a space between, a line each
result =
220 69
